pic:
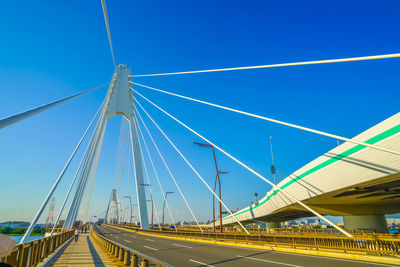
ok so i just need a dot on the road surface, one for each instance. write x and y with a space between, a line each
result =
188 253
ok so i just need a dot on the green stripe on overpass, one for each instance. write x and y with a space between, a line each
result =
351 151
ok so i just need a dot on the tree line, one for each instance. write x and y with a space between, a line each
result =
20 231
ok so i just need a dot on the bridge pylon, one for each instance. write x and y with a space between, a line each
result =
118 101
116 204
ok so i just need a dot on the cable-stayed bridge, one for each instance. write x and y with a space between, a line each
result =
358 180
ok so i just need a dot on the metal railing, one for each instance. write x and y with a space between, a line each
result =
272 231
128 256
371 245
34 252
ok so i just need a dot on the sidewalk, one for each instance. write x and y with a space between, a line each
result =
84 252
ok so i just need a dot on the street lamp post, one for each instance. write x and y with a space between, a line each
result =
152 207
130 202
215 185
219 186
163 208
272 157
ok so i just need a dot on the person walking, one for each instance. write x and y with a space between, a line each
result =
76 234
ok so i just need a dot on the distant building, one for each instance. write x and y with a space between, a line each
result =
293 223
393 220
316 222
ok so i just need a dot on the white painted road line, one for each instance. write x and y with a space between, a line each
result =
151 248
333 259
181 246
202 263
274 262
151 240
128 241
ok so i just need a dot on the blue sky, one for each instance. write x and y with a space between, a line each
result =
52 49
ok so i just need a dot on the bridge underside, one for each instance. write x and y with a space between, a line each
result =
380 196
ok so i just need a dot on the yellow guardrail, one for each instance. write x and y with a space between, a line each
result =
306 231
57 230
34 252
128 256
371 245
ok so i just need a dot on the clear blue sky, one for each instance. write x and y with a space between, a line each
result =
52 49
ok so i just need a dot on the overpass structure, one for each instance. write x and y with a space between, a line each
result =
356 182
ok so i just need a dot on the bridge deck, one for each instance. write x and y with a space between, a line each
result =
83 252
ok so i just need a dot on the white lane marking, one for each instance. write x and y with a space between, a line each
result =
128 241
305 255
334 259
274 262
151 240
202 263
181 246
150 248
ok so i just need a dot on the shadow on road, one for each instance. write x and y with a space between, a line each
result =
96 258
237 258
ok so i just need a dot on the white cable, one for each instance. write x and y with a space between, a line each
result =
155 172
169 171
128 186
92 179
75 205
7 121
274 121
147 178
103 4
76 174
72 212
126 171
92 166
92 176
190 165
118 167
277 65
56 183
248 168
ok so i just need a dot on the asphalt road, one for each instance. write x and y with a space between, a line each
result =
187 253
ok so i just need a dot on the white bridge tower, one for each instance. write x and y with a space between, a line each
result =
118 101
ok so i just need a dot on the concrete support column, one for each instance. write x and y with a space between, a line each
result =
134 260
121 254
116 251
127 258
145 263
370 222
